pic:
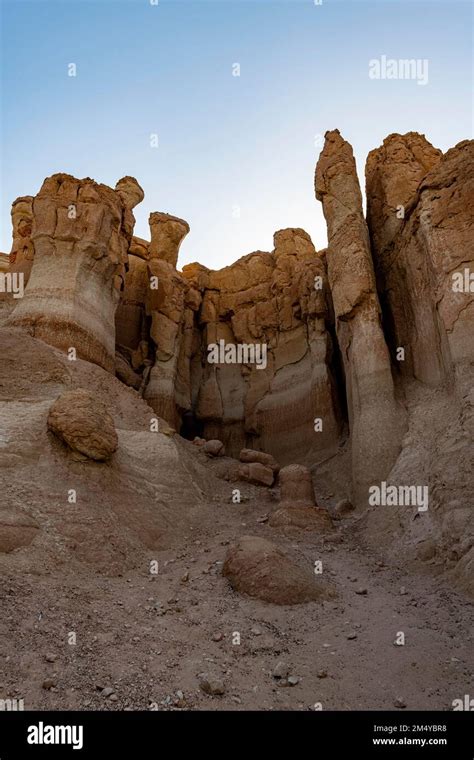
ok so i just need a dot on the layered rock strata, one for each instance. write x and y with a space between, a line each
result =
81 232
376 420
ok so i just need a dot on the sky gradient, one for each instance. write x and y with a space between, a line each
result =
235 155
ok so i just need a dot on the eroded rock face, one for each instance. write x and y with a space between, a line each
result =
376 420
22 251
258 568
81 233
84 424
393 176
4 262
167 234
276 305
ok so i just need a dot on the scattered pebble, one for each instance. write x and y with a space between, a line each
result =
212 685
281 670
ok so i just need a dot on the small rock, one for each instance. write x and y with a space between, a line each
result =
293 680
400 703
281 670
212 685
403 591
217 636
256 630
185 577
322 674
49 683
213 448
361 591
351 636
107 692
343 508
51 657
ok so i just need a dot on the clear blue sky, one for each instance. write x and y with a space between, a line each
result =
224 141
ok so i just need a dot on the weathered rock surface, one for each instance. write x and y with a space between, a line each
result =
22 251
437 243
256 473
167 234
296 484
275 303
84 424
213 448
81 232
258 568
16 529
376 420
4 262
297 502
250 455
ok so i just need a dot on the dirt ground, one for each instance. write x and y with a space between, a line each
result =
146 639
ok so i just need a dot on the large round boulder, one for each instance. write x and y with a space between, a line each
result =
259 568
84 423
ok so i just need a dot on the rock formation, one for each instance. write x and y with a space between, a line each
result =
376 420
423 255
284 358
81 232
4 262
22 251
274 303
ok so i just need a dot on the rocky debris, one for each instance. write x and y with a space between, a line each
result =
250 456
259 568
81 231
256 473
211 684
84 424
213 448
376 421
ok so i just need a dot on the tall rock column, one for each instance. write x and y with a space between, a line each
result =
376 420
393 174
81 232
171 302
22 252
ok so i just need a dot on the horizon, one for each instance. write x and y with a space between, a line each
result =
235 155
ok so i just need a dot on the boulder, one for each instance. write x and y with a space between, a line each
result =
213 448
256 473
250 456
259 568
83 423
